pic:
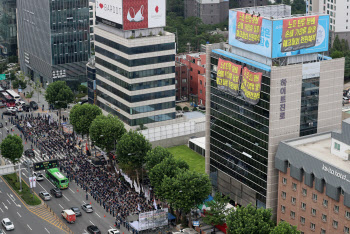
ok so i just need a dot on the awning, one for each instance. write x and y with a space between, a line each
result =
171 217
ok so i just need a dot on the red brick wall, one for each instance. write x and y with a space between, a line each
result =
182 88
201 87
310 203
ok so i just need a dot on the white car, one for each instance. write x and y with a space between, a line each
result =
14 109
113 231
87 208
20 103
45 196
39 176
7 224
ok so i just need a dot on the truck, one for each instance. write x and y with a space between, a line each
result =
69 216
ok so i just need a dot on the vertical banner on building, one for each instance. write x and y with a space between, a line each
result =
251 86
299 33
227 78
248 28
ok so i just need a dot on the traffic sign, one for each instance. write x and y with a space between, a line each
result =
46 165
2 76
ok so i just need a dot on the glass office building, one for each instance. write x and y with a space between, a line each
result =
8 28
54 41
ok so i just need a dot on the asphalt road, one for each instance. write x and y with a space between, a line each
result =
25 221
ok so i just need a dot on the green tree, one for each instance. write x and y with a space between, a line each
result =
37 88
347 67
82 89
298 7
18 83
187 190
249 219
131 151
337 54
285 228
105 131
155 156
216 215
82 116
176 6
168 167
13 59
59 95
12 148
337 44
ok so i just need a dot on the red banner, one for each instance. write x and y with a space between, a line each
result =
227 77
251 86
248 28
135 14
299 33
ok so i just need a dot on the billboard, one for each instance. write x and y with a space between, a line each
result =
281 37
251 86
227 77
153 219
131 14
248 28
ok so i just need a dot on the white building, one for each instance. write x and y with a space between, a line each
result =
92 20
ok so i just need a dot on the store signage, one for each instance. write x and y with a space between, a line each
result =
283 92
334 172
58 74
46 165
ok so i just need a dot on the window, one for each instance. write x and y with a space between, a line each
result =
324 218
303 205
191 78
346 230
184 80
335 224
284 180
294 186
200 82
312 226
347 214
336 209
323 231
336 146
283 209
292 214
304 192
314 197
199 72
313 211
294 200
302 220
325 203
284 195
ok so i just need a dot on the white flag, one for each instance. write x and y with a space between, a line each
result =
155 203
28 124
138 207
34 181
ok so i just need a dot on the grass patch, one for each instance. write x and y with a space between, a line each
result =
25 194
194 160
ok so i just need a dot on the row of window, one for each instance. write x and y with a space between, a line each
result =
139 121
137 86
68 4
135 62
135 50
136 74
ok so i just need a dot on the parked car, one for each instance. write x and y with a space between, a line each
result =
7 224
2 105
69 216
92 229
82 102
20 103
56 192
12 108
29 153
45 196
76 211
26 107
9 113
113 231
33 105
87 208
39 176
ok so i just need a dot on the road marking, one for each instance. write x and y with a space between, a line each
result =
13 199
1 210
19 215
71 190
8 201
84 202
61 206
29 227
42 187
98 215
66 198
85 231
47 230
24 175
5 206
92 223
110 227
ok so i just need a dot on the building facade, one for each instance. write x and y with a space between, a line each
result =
210 11
135 76
91 80
92 22
251 3
8 28
54 41
182 81
294 94
314 185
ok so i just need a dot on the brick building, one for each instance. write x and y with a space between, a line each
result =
314 182
195 64
182 84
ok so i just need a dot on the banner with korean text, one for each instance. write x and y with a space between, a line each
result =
248 28
299 33
227 78
251 86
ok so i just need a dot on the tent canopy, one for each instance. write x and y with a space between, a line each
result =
170 216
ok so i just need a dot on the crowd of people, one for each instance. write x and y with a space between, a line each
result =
109 189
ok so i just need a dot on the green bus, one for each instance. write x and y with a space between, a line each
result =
57 178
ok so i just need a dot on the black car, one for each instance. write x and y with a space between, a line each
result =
33 105
56 192
93 229
26 108
13 113
29 153
76 211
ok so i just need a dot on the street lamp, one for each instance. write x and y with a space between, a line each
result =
20 176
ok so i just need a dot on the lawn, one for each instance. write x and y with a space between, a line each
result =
194 160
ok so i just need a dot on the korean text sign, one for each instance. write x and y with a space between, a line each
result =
251 86
228 76
248 28
299 33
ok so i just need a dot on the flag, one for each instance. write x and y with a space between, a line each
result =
138 207
154 203
28 124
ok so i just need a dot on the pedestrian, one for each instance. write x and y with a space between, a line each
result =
87 196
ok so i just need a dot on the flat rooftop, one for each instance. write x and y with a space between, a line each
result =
319 146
